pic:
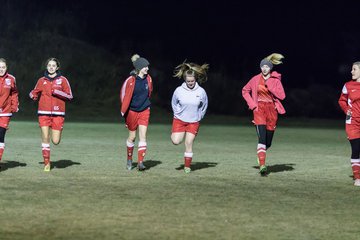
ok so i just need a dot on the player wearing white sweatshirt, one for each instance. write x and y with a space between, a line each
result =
189 103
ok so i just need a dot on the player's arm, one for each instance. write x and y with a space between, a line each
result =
14 95
343 100
65 93
34 94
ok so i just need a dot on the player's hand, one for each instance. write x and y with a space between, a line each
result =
33 97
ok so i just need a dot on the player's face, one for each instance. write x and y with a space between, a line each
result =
52 67
355 72
265 70
144 71
190 81
3 69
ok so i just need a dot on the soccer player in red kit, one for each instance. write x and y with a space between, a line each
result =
263 94
52 90
135 107
349 102
9 103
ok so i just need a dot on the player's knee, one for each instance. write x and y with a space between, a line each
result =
56 141
175 141
131 139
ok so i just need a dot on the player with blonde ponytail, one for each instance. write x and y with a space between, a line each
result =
189 103
263 94
135 107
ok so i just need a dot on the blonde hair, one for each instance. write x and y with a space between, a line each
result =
275 58
192 69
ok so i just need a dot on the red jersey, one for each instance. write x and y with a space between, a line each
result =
53 92
274 85
8 95
264 94
127 90
350 98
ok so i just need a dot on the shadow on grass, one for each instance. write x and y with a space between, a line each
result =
279 167
150 164
10 164
62 163
198 165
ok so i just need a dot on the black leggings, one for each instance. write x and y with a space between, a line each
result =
355 148
265 136
2 134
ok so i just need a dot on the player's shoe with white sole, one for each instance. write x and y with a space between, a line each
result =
47 168
187 169
357 182
129 165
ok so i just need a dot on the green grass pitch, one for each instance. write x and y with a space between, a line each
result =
89 194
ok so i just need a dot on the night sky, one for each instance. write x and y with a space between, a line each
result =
319 40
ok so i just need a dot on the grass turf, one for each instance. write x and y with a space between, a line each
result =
90 195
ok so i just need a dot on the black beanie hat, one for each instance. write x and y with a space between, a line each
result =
266 62
140 63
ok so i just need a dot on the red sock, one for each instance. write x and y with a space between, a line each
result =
188 159
261 153
129 150
141 151
355 165
2 147
46 152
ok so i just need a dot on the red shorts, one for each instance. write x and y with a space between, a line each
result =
4 122
266 114
134 119
180 126
353 129
55 122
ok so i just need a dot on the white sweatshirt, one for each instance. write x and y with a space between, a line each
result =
189 105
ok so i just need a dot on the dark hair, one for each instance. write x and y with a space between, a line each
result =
357 63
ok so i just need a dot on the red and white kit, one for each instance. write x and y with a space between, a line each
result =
133 119
273 84
263 97
8 99
349 102
127 91
8 104
52 93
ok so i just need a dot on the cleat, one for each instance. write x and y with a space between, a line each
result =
129 165
357 182
47 168
141 166
187 169
263 170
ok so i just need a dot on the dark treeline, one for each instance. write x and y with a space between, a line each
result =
95 42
